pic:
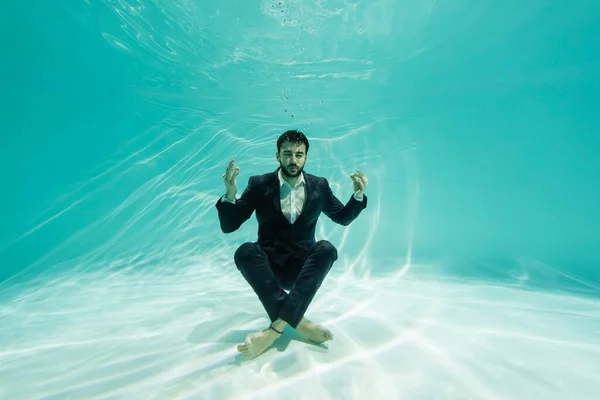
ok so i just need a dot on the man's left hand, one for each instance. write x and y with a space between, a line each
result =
360 182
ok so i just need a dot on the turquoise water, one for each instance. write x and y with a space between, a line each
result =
475 122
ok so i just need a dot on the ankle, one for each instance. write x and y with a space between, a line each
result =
278 325
274 331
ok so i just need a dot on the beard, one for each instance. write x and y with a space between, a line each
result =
287 171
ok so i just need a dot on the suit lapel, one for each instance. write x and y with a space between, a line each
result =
276 190
307 194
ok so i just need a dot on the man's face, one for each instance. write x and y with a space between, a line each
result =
292 157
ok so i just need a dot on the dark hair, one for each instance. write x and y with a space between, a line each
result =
293 136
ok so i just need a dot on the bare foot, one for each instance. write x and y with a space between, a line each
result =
314 332
257 342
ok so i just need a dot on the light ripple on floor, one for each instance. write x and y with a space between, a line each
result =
174 336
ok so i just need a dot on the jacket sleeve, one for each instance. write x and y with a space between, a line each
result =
233 214
339 213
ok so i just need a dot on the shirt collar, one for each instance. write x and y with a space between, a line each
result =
283 182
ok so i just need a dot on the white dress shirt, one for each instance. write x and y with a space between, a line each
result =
292 198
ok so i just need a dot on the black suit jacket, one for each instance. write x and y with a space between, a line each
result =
274 230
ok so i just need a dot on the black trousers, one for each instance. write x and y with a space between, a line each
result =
302 274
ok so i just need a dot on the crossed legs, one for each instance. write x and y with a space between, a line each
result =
284 309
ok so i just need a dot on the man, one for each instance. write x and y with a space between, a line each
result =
288 203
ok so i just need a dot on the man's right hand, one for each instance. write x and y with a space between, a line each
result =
229 176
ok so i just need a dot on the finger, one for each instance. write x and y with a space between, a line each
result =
235 173
231 176
363 177
229 166
359 181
